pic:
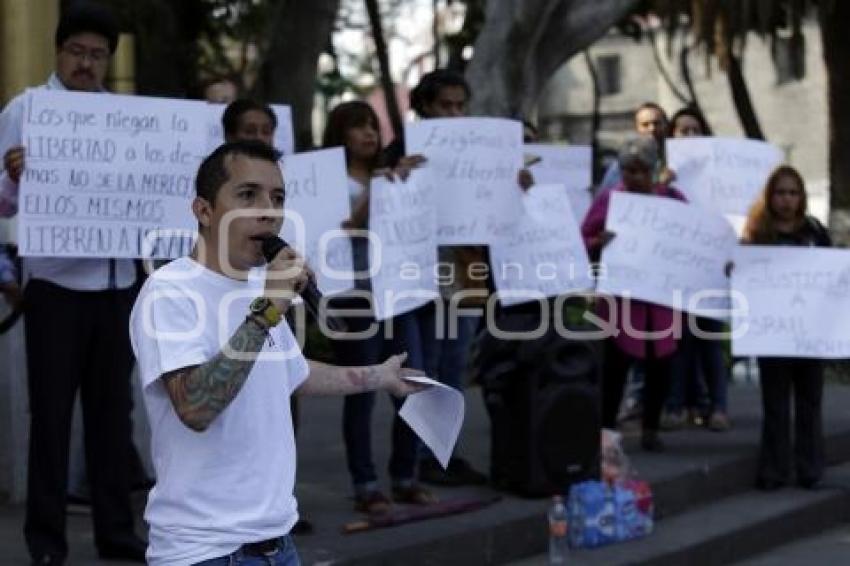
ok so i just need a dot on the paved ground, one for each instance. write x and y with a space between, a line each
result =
324 492
831 547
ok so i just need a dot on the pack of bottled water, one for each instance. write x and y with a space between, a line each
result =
599 513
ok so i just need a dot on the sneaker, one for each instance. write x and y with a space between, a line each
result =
719 422
696 418
371 503
673 420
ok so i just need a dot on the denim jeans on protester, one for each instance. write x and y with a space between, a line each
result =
697 357
357 409
446 357
286 555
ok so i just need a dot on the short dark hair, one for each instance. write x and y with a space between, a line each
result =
88 17
693 112
429 87
213 172
235 110
349 115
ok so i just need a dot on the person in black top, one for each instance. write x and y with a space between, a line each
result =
779 218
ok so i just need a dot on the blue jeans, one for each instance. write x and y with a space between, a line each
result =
695 358
357 409
286 555
446 357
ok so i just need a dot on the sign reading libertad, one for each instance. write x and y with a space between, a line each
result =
108 175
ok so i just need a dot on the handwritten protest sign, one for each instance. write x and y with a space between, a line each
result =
564 165
284 141
403 222
794 302
544 256
472 169
108 175
722 174
667 252
317 202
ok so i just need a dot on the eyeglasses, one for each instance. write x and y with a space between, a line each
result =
80 52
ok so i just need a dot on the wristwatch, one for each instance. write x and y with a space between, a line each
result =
263 308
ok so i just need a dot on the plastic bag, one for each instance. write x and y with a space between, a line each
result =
615 466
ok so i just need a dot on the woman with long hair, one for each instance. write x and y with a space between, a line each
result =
354 126
699 369
779 218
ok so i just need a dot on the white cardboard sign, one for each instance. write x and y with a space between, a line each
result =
668 253
472 170
793 302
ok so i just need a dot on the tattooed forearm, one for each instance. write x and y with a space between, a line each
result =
332 380
201 392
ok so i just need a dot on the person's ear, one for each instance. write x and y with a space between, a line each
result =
203 211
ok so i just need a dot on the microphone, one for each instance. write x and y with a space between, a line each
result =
310 293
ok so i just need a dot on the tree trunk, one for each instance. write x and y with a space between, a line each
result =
525 41
596 122
166 36
384 63
836 49
300 34
741 98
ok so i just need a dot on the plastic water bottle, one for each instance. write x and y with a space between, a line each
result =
558 548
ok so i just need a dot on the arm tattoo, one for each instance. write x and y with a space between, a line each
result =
201 392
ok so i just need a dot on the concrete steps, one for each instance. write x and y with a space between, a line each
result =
732 528
707 510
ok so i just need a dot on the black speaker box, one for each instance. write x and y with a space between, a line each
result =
542 396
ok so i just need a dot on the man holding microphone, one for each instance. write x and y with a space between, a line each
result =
218 369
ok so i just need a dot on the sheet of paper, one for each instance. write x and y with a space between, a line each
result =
723 174
109 175
793 302
567 165
316 184
403 250
435 415
472 166
544 255
667 252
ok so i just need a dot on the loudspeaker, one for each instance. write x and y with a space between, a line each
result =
542 396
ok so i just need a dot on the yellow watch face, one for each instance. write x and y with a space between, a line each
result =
262 306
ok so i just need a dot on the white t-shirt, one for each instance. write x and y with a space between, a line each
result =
233 483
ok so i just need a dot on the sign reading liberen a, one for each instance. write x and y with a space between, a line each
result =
567 165
472 169
794 302
544 256
403 250
668 253
722 174
284 140
108 175
317 203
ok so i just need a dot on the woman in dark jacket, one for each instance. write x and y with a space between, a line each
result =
779 218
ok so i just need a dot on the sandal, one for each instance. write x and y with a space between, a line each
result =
371 503
414 495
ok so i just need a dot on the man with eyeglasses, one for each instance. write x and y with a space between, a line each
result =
76 322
